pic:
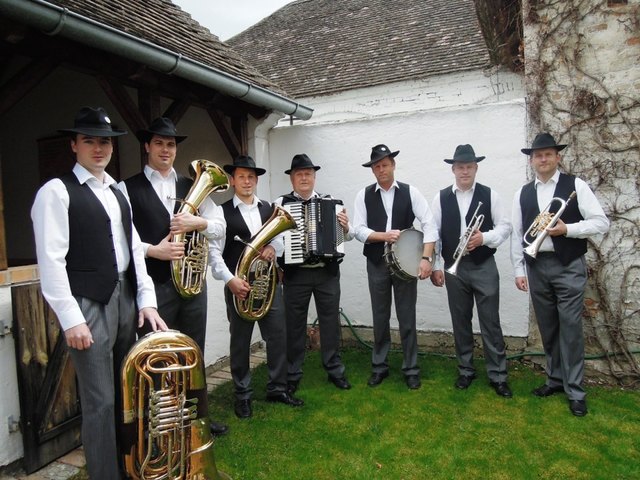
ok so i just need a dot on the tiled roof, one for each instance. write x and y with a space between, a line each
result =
167 25
314 47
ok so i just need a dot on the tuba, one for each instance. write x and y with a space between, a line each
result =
190 272
461 249
166 432
537 231
261 275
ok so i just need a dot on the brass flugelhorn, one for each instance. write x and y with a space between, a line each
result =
461 249
537 231
261 275
190 272
166 432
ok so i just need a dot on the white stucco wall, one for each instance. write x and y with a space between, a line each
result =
424 137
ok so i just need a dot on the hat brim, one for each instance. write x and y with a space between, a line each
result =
232 168
376 160
144 136
451 161
93 132
528 151
287 172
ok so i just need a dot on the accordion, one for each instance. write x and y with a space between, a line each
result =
318 236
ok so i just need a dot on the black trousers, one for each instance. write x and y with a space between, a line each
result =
324 284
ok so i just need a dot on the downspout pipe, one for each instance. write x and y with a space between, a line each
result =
54 20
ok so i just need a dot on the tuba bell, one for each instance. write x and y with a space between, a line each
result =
166 433
537 231
190 272
261 275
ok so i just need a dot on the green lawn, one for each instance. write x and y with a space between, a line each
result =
390 432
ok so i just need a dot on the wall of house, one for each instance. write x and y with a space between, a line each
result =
452 110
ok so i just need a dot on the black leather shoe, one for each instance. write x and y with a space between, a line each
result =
376 378
243 408
546 391
218 429
578 407
463 381
413 382
502 389
292 386
284 397
342 383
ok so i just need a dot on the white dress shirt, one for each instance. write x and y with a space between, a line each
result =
419 206
50 216
492 239
595 221
251 216
165 188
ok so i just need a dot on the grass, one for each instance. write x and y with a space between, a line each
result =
437 432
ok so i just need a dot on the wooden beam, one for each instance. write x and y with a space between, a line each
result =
24 81
177 109
233 144
123 103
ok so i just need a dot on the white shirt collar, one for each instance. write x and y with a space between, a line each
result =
313 195
150 173
394 184
85 175
554 179
237 201
455 188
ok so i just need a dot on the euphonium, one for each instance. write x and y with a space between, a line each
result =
537 231
190 272
261 275
461 249
166 431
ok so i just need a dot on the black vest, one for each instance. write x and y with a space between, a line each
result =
402 216
567 249
91 259
151 218
450 229
237 226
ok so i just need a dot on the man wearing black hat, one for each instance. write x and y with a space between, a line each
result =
93 275
317 277
476 276
557 276
245 214
382 210
153 195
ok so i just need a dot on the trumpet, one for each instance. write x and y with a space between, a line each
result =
537 231
461 249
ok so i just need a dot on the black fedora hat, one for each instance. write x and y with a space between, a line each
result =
543 140
93 122
161 126
378 153
465 154
301 160
244 161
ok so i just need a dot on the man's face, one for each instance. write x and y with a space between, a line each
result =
244 181
465 173
93 153
544 162
161 153
303 181
383 171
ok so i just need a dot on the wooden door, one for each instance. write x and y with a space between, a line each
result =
50 407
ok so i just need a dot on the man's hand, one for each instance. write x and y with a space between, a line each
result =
475 240
391 236
437 278
185 222
425 269
343 219
558 230
268 253
153 317
522 284
79 337
240 288
166 249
